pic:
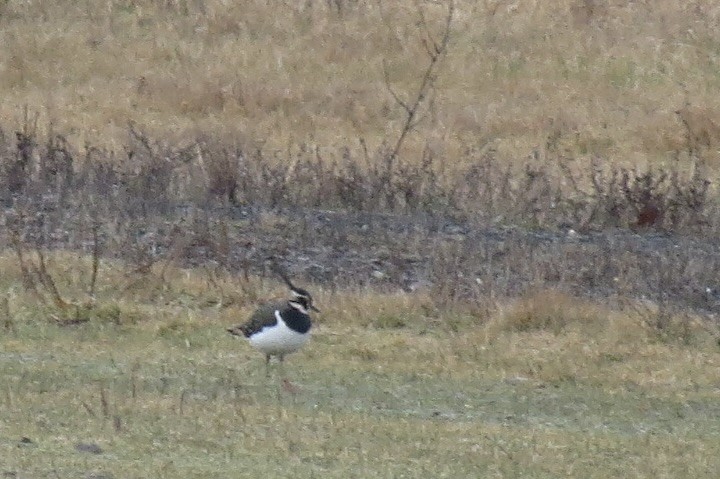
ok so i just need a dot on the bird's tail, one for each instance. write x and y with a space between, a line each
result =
236 331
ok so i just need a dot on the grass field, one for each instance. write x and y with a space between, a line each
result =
590 78
547 386
148 130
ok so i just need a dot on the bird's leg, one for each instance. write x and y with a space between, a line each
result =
267 365
286 384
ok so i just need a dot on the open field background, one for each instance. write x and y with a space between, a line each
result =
517 280
588 78
151 386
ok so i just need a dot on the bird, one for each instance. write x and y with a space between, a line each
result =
279 328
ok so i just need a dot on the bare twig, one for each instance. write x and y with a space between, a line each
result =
395 96
104 405
436 50
95 257
47 280
28 279
140 137
8 323
88 408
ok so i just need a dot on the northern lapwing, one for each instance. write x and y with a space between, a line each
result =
279 328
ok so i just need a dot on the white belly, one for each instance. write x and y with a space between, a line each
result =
278 339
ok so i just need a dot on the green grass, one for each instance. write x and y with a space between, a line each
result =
202 407
169 394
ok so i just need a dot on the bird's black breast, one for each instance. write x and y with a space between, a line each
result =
265 317
296 320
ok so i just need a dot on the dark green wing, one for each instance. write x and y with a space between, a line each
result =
264 316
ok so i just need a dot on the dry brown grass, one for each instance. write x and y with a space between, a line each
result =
548 310
546 334
585 390
437 381
576 76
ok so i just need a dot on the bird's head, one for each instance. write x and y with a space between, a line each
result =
302 300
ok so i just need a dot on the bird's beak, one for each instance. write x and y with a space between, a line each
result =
314 308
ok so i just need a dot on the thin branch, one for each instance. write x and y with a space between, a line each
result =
47 280
28 280
95 256
395 96
431 52
427 82
8 323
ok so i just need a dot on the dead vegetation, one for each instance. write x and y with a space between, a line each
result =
513 74
411 208
445 393
510 225
474 234
150 177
